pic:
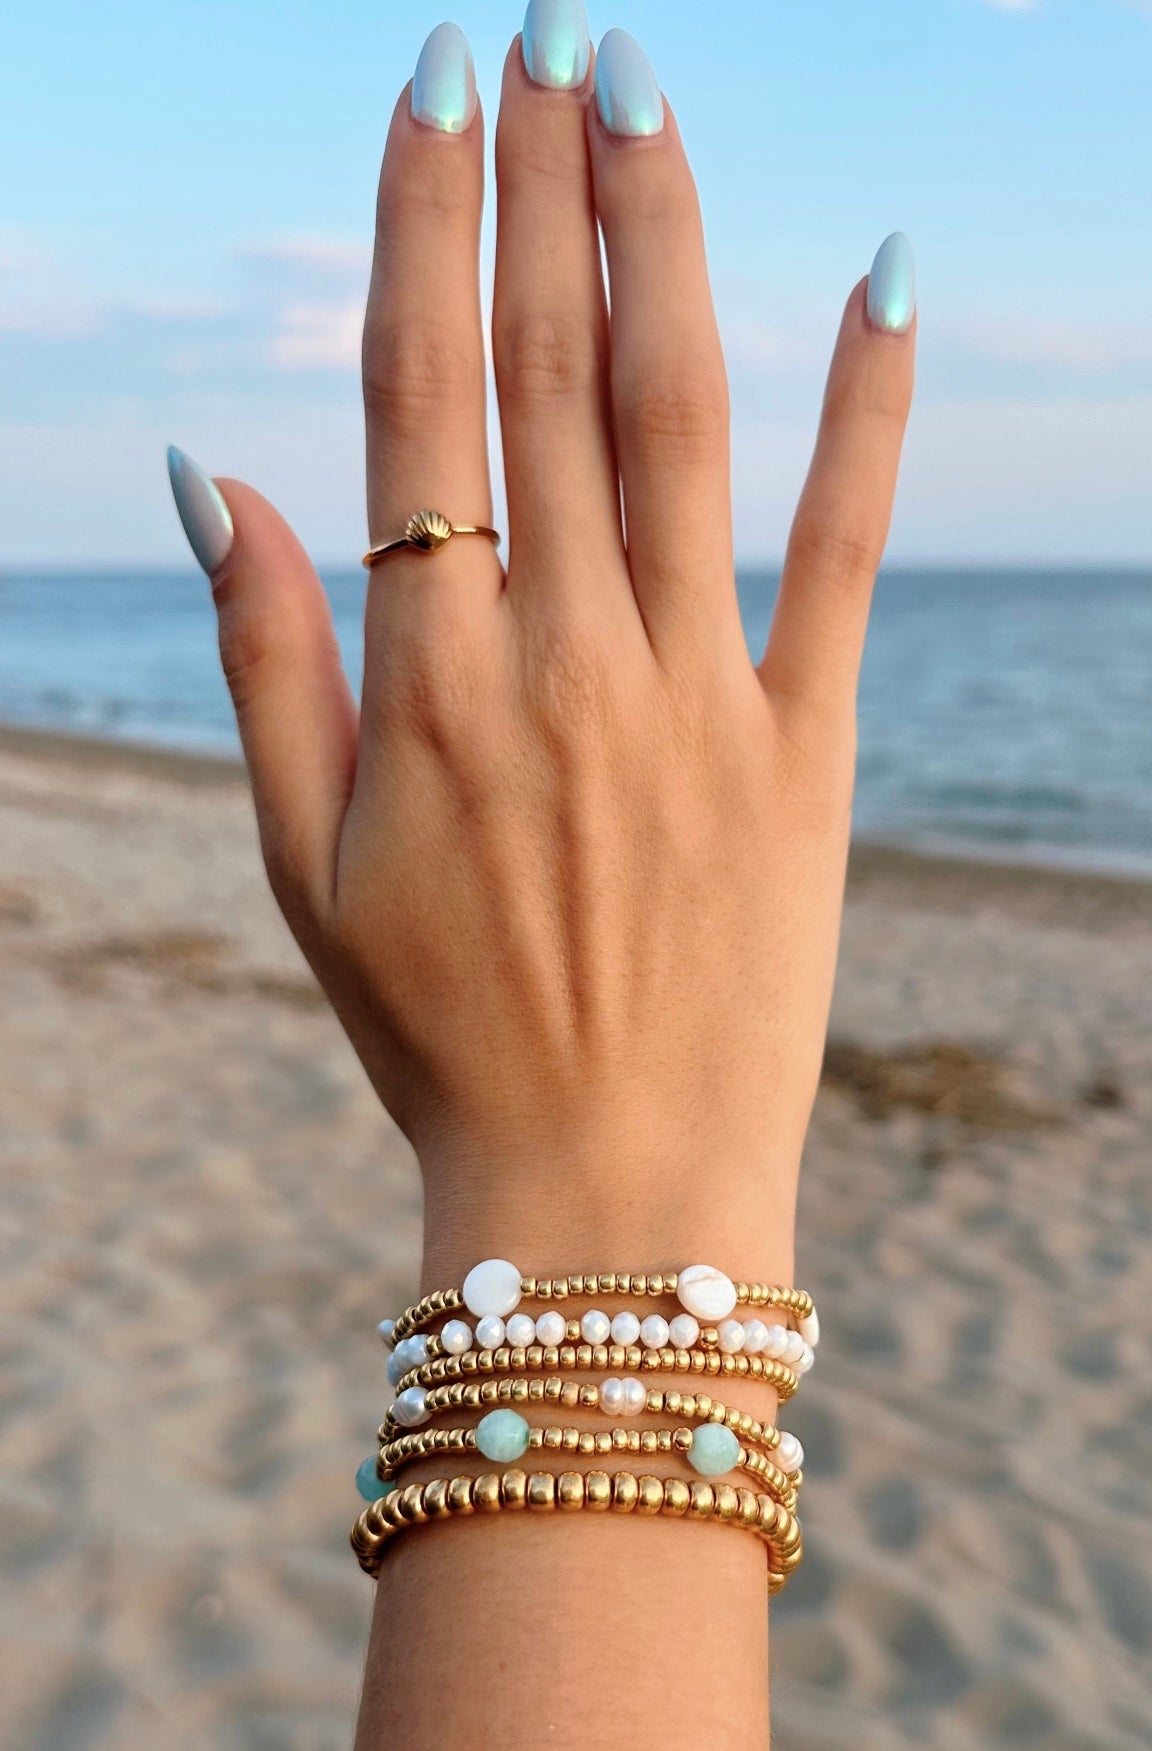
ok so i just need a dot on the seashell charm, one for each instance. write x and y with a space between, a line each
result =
428 530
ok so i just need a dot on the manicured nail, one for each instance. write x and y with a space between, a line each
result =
206 518
556 43
444 87
892 286
627 92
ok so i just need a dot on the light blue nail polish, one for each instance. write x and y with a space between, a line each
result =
556 44
444 85
206 518
627 91
892 286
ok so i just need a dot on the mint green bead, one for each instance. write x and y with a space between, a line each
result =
502 1435
371 1487
714 1450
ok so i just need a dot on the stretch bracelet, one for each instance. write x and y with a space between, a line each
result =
572 1492
497 1287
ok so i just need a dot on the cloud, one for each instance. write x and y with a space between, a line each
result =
323 337
1013 5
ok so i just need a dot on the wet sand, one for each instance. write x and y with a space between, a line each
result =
203 1214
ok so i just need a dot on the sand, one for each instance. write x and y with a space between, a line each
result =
204 1213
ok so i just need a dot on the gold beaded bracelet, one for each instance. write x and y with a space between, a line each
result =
575 1491
573 1395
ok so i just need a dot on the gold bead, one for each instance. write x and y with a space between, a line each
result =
514 1489
741 1291
460 1495
436 1498
727 1502
656 1285
650 1496
528 1287
542 1491
682 1439
587 1444
670 1280
570 1394
571 1440
486 1493
518 1391
598 1490
410 1502
589 1396
677 1496
648 1441
607 1283
551 1358
553 1437
559 1290
572 1331
703 1499
625 1492
570 1490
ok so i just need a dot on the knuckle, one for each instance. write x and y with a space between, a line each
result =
543 358
835 552
684 414
411 366
539 154
870 391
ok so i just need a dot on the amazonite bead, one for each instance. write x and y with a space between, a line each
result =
714 1450
502 1435
370 1486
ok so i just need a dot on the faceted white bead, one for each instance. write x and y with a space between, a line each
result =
489 1332
410 1353
706 1292
625 1328
730 1336
612 1396
654 1332
793 1348
776 1342
809 1328
805 1364
521 1329
755 1336
411 1408
551 1328
595 1327
789 1455
396 1369
386 1328
683 1331
456 1337
635 1395
492 1287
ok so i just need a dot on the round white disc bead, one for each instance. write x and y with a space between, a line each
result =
492 1287
654 1332
411 1408
807 1360
489 1332
551 1328
789 1456
683 1331
612 1396
595 1327
625 1328
706 1292
635 1395
755 1336
521 1329
730 1336
456 1337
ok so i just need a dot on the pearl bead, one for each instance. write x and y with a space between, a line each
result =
776 1342
625 1328
370 1486
714 1450
612 1396
654 1332
683 1331
489 1332
635 1395
595 1327
755 1336
551 1328
706 1292
789 1456
793 1348
456 1337
411 1408
502 1435
521 1329
386 1328
809 1328
805 1364
492 1287
730 1336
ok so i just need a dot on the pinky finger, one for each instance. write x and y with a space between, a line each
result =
841 527
294 709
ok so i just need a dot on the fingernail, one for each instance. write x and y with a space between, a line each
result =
444 86
206 518
556 44
892 286
627 92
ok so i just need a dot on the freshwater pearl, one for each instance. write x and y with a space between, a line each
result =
595 1327
789 1456
793 1348
489 1332
386 1328
521 1329
411 1408
502 1435
370 1486
683 1331
654 1332
804 1365
776 1342
492 1287
612 1396
625 1328
730 1336
635 1395
809 1328
706 1292
755 1336
714 1450
456 1337
551 1328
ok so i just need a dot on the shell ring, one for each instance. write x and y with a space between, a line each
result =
426 532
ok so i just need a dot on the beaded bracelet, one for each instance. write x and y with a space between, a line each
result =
574 1491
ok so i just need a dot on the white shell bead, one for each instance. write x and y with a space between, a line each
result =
683 1331
635 1395
730 1336
789 1456
411 1408
706 1292
805 1364
595 1327
612 1396
551 1328
521 1329
654 1332
492 1287
625 1328
456 1337
755 1336
809 1328
489 1332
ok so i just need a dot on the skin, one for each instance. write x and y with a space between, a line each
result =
572 878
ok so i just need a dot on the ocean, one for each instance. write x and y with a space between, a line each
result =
1002 713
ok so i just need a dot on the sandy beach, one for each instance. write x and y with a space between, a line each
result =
204 1213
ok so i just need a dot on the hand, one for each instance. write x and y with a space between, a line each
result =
573 879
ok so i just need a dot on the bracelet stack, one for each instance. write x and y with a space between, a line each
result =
508 1360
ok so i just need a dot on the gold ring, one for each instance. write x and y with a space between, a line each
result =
427 532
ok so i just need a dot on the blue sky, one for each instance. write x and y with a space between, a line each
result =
185 224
